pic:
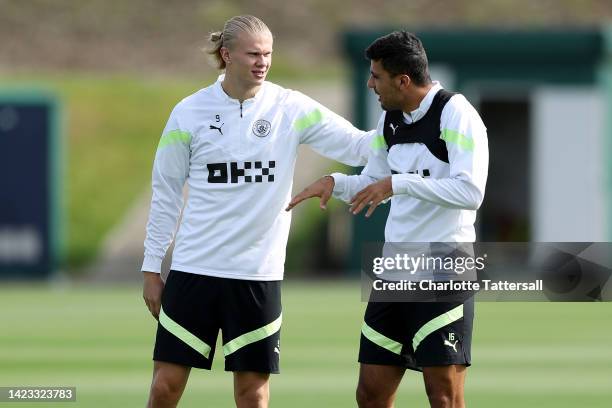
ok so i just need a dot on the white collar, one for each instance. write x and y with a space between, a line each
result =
221 92
424 106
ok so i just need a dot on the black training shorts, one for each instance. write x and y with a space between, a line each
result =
194 309
414 335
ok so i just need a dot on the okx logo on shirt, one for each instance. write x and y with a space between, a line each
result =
248 172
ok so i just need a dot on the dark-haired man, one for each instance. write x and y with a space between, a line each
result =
431 158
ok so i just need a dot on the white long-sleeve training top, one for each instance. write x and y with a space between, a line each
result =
238 160
433 200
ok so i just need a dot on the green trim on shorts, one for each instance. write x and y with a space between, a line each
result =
435 324
380 339
252 336
183 334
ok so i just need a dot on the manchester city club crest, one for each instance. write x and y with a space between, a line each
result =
261 128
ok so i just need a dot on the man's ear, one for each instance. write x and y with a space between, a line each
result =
225 55
404 81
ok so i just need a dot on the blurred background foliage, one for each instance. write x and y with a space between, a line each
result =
148 36
119 66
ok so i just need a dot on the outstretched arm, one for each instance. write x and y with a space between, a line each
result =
345 187
328 133
322 188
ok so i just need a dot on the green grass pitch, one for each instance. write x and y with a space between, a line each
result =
100 339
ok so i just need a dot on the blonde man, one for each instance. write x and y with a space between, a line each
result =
235 144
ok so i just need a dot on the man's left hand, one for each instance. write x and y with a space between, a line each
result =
372 195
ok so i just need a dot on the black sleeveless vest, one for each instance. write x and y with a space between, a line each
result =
425 130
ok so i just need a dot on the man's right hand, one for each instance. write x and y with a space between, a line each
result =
152 292
323 188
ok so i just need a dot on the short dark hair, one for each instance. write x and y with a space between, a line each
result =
401 52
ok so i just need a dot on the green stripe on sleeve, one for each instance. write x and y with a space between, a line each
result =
252 336
464 142
180 332
380 339
378 142
435 324
174 136
308 120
